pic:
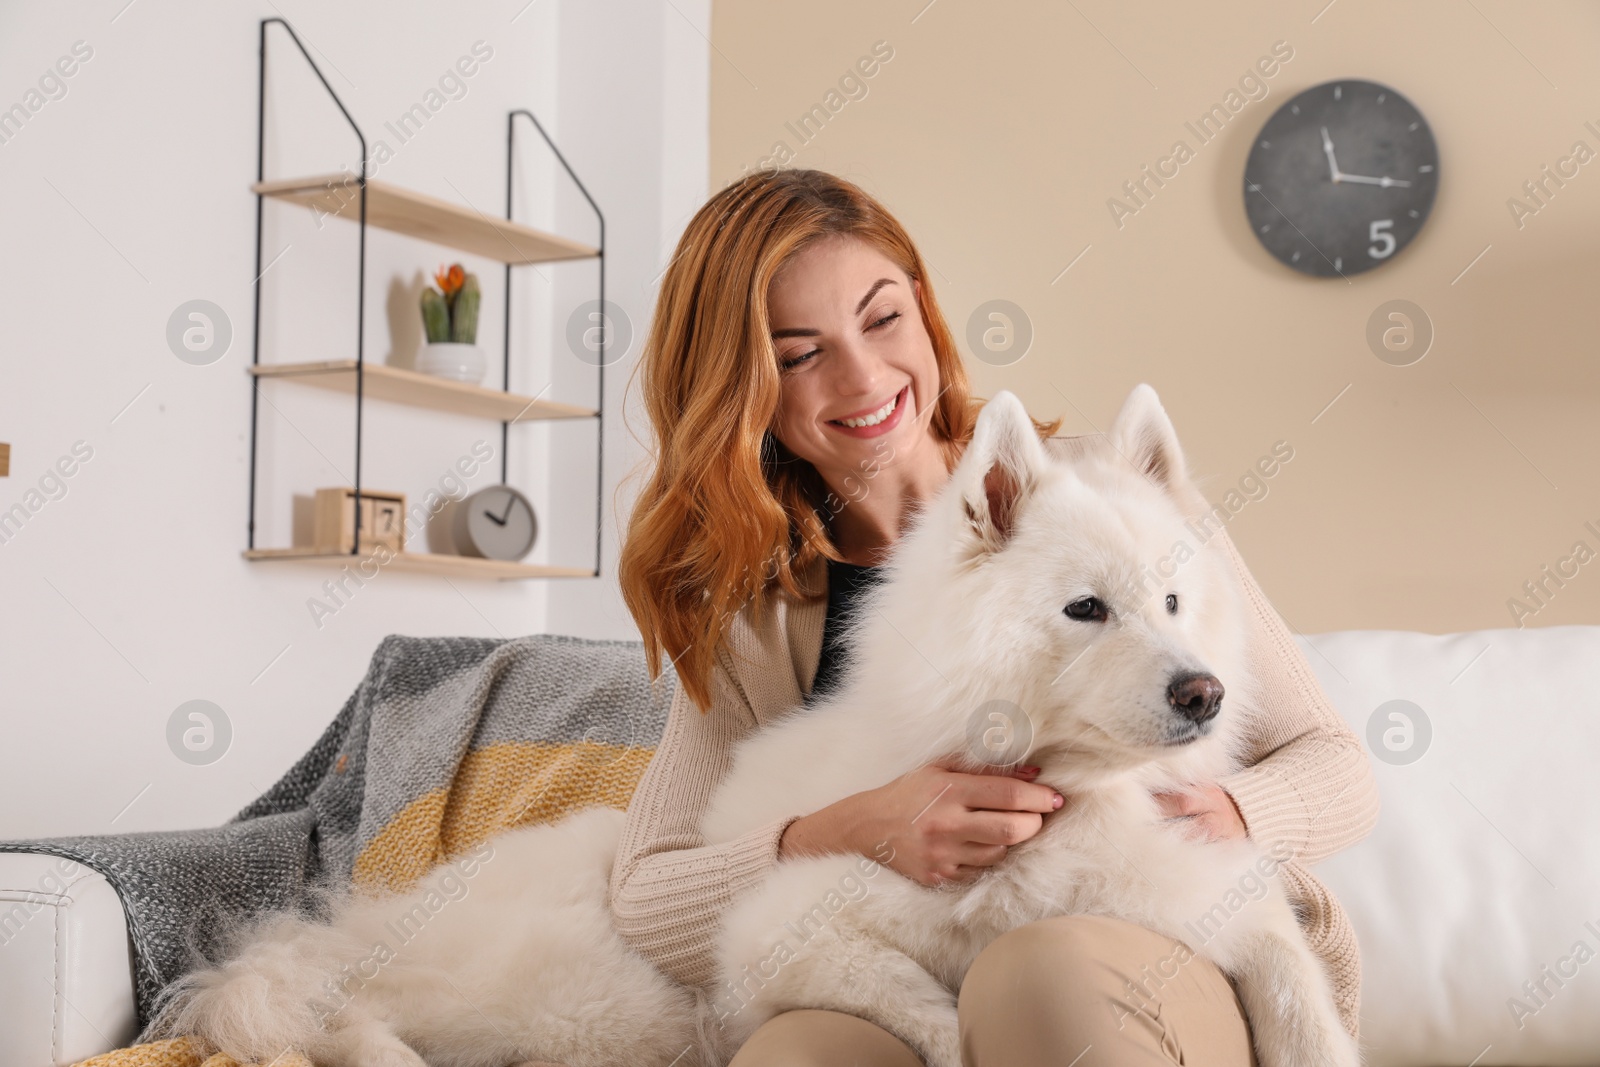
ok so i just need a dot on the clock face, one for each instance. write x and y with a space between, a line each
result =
1341 178
495 523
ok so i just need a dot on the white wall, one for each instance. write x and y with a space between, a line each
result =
125 595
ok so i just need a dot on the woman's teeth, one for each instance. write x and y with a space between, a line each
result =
873 419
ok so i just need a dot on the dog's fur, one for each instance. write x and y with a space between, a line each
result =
968 648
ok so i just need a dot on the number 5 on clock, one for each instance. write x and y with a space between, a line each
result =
1378 232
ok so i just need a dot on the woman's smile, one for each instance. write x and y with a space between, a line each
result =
875 421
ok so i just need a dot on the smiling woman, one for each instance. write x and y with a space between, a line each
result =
796 343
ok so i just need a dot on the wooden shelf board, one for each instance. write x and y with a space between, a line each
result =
425 563
391 207
421 390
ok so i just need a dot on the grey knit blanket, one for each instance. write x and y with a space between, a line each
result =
424 706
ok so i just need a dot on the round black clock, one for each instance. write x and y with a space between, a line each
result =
1341 178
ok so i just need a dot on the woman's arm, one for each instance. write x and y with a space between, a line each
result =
1309 782
668 888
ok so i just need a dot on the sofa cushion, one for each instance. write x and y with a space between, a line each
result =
1477 897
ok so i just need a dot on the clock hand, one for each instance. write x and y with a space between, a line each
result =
1333 168
501 519
492 517
1384 181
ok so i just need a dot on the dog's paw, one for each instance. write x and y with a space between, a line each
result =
1333 1044
390 1057
1311 1046
396 1057
1348 1051
372 1045
940 1045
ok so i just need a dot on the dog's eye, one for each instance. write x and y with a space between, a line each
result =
1172 603
1089 609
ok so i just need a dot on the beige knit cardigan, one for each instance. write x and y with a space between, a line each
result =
1307 783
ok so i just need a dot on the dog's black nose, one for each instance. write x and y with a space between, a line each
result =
1196 695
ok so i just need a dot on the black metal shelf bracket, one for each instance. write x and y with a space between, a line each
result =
361 269
361 275
600 363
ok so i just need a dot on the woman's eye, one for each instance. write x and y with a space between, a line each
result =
1088 609
803 357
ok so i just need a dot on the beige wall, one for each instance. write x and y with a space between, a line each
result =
1425 496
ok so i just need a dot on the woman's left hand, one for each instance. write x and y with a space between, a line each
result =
1210 810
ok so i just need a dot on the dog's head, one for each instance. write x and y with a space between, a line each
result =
1078 593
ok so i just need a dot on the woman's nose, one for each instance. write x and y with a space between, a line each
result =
858 372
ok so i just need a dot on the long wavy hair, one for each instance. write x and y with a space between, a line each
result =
729 516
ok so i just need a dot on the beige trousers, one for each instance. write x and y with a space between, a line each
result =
1073 991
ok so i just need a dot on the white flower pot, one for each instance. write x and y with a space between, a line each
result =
454 360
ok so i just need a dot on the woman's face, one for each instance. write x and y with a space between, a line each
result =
851 346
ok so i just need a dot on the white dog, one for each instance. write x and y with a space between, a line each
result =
1062 614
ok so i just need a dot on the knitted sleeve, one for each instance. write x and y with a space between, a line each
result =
668 888
1309 783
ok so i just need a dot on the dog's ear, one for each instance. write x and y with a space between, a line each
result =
999 471
1143 436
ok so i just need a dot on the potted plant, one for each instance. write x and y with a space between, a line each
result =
450 319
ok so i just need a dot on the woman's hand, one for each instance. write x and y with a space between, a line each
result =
1210 810
932 825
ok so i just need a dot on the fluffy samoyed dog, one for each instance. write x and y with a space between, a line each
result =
1060 613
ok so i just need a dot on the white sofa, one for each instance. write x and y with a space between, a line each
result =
1483 873
1484 867
66 974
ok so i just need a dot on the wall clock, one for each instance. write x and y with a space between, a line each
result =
1341 178
495 523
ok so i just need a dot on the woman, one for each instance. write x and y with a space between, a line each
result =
806 395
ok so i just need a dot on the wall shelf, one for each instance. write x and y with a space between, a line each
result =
390 207
364 202
424 563
422 390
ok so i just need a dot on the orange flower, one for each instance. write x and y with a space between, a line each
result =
450 281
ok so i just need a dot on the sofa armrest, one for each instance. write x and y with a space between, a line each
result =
66 976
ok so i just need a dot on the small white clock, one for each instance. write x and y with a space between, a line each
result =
495 523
